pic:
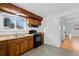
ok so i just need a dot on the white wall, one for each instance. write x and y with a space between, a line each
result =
52 30
70 29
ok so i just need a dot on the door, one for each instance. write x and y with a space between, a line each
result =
71 33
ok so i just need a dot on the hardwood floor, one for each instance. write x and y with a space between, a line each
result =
71 43
66 43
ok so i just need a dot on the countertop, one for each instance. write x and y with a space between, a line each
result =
14 37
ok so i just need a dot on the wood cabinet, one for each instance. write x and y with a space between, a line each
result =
33 22
20 45
42 33
3 48
37 22
30 21
23 45
26 43
30 42
13 47
17 46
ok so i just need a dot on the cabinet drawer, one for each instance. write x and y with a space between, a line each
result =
22 39
3 43
13 41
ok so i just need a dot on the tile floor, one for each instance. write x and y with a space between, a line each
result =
48 50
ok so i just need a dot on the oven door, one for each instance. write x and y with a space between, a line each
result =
37 40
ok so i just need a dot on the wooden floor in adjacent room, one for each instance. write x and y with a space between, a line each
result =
66 43
71 43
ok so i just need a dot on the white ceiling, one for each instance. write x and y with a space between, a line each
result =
45 9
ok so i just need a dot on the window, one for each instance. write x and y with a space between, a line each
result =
9 21
20 23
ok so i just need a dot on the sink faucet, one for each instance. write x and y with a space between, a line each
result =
16 34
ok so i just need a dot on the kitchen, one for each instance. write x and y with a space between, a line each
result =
16 35
38 29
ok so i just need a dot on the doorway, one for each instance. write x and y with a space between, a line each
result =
70 32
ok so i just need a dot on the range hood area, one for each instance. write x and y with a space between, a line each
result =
31 25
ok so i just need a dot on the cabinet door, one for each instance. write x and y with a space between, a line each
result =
3 50
13 49
31 42
39 22
31 21
23 46
34 22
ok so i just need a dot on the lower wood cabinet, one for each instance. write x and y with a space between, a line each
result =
30 42
23 45
3 48
3 51
13 47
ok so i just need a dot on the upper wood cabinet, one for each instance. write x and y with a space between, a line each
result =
33 22
37 22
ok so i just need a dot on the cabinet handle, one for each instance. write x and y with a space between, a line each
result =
13 42
3 44
22 41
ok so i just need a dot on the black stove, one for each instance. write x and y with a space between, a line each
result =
37 38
